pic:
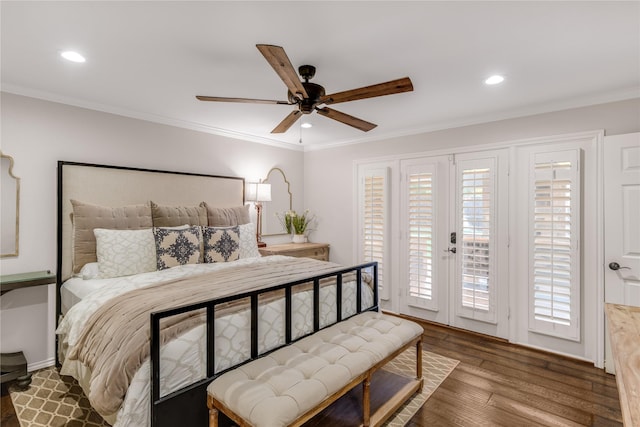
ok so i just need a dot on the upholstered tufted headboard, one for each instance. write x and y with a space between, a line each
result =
119 187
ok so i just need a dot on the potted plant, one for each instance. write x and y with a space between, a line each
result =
298 225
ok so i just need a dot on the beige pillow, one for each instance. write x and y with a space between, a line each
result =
227 217
173 216
86 217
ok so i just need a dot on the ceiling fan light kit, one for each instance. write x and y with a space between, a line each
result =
310 97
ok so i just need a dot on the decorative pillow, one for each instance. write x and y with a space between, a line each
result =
86 217
90 271
248 241
226 217
221 244
124 252
176 246
172 216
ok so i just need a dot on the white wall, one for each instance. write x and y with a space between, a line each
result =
38 133
329 178
331 196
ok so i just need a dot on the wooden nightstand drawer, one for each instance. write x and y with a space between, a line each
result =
301 250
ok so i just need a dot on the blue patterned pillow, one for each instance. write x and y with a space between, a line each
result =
221 244
177 246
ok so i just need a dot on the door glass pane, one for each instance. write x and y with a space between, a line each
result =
477 198
421 236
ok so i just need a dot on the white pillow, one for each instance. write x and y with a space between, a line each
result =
248 242
125 252
90 270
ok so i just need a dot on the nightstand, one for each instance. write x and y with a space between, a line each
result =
14 365
300 250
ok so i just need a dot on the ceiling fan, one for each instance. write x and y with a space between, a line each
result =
310 97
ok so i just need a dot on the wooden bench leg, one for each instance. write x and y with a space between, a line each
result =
213 417
419 362
213 413
366 401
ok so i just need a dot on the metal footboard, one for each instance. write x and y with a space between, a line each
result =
187 406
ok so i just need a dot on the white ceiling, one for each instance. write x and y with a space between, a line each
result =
149 59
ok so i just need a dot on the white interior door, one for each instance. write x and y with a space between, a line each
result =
621 224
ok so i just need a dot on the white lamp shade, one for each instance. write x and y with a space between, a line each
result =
251 191
257 192
263 192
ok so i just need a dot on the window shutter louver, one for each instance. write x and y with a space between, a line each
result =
420 237
477 198
554 222
374 206
373 233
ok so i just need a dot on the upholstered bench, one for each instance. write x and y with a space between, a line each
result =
292 384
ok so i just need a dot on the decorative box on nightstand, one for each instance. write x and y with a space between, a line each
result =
301 250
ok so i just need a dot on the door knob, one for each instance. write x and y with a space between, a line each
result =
452 250
615 266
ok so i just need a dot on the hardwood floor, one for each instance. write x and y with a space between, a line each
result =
500 384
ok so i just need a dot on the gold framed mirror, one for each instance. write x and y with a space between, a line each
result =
10 214
281 201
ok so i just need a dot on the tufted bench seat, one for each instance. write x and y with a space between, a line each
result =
292 384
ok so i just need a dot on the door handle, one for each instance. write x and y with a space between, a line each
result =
615 266
452 250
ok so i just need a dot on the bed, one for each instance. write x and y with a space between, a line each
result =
144 328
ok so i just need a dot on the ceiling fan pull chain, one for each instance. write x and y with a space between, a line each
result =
300 141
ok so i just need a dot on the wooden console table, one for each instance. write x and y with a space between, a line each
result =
14 365
9 282
624 330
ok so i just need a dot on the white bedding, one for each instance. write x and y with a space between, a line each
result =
76 289
182 359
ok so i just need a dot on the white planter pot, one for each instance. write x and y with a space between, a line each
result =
298 238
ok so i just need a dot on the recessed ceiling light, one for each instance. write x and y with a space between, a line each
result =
306 125
494 80
72 56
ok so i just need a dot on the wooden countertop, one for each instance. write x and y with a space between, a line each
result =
624 329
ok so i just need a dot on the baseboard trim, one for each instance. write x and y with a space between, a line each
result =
41 365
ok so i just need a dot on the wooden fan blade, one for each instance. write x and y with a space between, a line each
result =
246 100
346 119
278 59
381 89
287 122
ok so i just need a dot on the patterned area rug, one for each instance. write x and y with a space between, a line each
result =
56 401
435 369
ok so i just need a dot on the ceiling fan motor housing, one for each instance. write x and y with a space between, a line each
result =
307 105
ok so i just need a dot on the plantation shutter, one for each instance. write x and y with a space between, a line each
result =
554 245
373 219
419 181
476 239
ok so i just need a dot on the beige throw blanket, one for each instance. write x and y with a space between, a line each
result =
115 341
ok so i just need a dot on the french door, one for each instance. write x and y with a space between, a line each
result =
454 247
